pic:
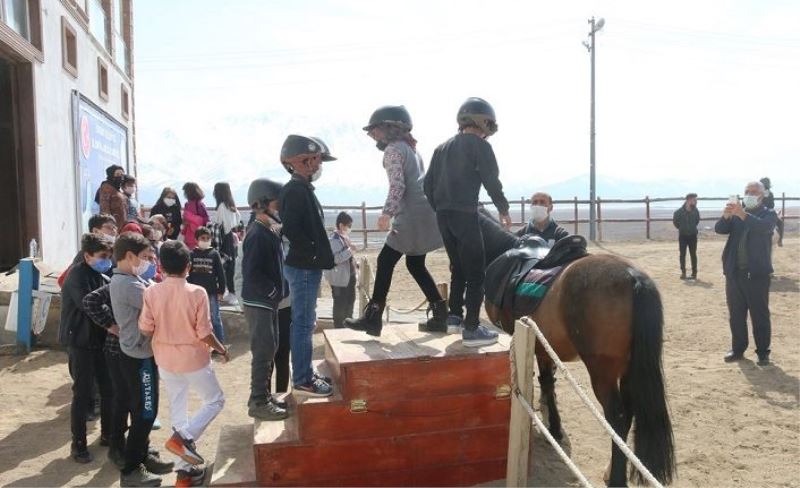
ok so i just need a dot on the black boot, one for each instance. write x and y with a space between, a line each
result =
437 323
370 322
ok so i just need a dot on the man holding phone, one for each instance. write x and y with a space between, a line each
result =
747 264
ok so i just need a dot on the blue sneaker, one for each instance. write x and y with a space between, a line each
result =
316 388
481 336
454 324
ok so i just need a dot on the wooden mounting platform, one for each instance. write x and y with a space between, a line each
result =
409 409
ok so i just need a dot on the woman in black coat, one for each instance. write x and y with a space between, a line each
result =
169 205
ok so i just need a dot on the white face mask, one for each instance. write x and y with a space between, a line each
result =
169 202
141 268
316 174
204 244
539 213
750 201
129 190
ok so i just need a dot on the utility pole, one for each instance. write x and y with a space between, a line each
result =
595 27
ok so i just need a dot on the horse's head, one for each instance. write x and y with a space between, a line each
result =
500 318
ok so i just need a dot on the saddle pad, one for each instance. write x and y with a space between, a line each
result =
532 289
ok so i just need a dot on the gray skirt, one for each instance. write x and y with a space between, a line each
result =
414 229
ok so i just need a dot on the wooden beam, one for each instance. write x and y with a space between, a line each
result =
520 426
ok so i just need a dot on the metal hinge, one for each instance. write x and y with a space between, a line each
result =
502 391
358 406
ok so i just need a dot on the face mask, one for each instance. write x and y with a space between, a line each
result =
149 273
539 213
141 268
204 244
128 190
345 231
101 265
117 181
750 201
169 202
109 238
316 174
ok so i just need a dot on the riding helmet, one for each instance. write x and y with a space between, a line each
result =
326 153
295 145
478 112
263 190
390 114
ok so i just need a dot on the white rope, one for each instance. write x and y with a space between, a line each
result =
599 416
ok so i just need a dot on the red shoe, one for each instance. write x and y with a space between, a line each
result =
192 477
183 448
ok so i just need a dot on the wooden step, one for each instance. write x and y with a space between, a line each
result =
313 463
406 363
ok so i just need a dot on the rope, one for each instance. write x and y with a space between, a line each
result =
616 438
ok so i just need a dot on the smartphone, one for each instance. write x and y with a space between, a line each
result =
733 199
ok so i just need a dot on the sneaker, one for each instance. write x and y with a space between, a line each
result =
683 275
264 409
139 477
733 356
155 465
763 361
183 448
454 324
279 403
316 376
481 336
191 477
81 456
316 388
156 424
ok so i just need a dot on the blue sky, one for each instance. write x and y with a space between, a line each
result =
689 94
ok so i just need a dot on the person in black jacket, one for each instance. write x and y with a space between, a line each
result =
85 341
263 288
542 223
207 271
686 219
747 264
169 205
309 254
452 184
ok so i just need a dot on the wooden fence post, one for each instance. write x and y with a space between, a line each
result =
364 222
364 282
647 213
783 206
576 215
599 221
520 426
522 210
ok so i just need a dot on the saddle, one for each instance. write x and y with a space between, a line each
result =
504 274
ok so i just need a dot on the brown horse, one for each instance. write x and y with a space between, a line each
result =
607 313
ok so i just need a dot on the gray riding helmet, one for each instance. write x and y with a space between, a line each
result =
263 189
392 115
326 152
295 145
477 111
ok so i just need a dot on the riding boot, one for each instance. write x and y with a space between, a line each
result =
370 322
437 323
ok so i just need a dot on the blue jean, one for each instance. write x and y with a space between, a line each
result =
216 318
303 288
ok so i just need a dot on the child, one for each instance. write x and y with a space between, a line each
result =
169 206
262 291
85 342
129 188
195 214
227 219
207 272
309 254
342 277
175 314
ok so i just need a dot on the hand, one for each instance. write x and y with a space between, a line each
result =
224 356
505 219
383 222
114 329
736 210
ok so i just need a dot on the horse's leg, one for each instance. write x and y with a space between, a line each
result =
608 393
547 382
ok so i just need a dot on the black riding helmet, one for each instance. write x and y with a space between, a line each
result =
326 153
477 111
298 146
263 190
392 115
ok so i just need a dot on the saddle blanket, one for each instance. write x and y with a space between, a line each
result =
532 289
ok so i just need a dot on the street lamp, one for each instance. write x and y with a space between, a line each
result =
590 46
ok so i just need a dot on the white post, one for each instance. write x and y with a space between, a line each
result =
519 432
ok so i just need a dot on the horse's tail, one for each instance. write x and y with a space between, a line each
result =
653 440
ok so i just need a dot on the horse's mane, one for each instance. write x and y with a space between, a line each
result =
496 240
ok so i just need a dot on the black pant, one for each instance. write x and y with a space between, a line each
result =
229 266
691 243
284 347
140 377
463 241
749 293
121 402
344 298
264 334
88 366
387 260
780 225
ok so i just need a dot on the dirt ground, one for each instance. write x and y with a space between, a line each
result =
735 424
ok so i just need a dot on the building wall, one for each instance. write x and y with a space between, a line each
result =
55 141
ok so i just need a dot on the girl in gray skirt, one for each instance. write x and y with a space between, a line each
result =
414 231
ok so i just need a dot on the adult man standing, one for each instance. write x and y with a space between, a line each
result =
541 223
686 219
458 168
747 264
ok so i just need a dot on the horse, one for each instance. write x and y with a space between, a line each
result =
606 312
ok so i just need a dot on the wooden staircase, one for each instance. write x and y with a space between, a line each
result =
409 409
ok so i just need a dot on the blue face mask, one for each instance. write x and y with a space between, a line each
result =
150 273
101 265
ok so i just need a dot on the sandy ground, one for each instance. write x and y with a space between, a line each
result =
735 424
